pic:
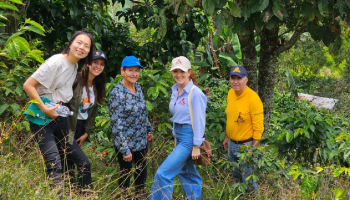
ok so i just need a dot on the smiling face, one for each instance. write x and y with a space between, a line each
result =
181 78
97 67
238 84
130 74
80 47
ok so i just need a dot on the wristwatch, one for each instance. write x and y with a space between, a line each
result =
196 146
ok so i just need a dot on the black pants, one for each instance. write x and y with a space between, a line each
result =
140 161
83 165
53 144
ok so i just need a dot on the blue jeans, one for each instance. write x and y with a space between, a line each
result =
179 162
240 174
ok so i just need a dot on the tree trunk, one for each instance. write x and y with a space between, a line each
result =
267 70
246 38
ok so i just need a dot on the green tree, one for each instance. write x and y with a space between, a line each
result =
264 24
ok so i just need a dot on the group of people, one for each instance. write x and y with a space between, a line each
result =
60 138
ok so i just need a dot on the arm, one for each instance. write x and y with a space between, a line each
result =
257 115
29 88
89 125
117 120
225 142
199 105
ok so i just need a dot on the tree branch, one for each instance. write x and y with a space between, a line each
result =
289 44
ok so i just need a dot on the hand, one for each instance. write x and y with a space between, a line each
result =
150 137
82 139
196 152
128 158
50 112
225 143
255 143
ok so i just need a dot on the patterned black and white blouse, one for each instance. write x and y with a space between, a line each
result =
129 119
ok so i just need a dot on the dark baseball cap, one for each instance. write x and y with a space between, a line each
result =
99 54
238 71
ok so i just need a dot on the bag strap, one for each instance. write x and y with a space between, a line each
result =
190 105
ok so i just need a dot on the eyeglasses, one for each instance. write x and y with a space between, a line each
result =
240 118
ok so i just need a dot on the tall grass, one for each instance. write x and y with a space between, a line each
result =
23 176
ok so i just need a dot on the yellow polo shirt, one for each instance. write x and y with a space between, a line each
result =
245 115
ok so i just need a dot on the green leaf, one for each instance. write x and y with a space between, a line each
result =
277 10
339 193
263 4
203 77
220 3
209 6
235 10
3 108
149 106
21 43
219 23
8 6
15 109
289 136
306 9
36 55
306 186
209 58
34 29
11 49
312 127
26 125
322 6
30 112
16 1
162 89
13 36
191 2
35 24
236 47
2 24
181 15
227 59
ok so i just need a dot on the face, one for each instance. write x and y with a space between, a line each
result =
181 77
238 84
130 74
80 47
97 67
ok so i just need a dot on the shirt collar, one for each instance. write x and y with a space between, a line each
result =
244 92
187 87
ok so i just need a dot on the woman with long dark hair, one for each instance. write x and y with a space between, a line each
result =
89 90
52 82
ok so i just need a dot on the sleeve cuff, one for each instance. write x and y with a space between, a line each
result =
198 142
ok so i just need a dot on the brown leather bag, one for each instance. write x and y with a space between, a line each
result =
205 147
206 155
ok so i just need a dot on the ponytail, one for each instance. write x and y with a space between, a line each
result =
193 77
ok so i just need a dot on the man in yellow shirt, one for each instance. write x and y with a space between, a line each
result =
245 120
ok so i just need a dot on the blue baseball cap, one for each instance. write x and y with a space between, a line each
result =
238 71
130 61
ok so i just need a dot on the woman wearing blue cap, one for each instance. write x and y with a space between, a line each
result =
130 126
89 90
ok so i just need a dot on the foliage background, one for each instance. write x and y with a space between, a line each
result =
305 152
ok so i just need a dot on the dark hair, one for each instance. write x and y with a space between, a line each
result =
88 58
193 77
99 84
